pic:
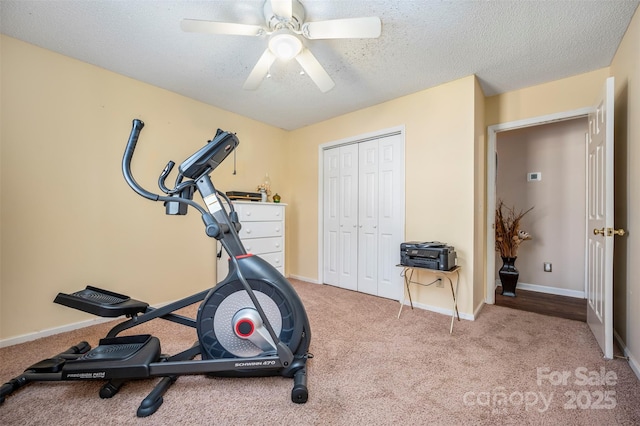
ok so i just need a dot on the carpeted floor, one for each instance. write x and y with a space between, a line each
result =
370 368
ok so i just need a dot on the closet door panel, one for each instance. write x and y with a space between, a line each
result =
331 215
390 220
348 254
331 257
368 263
368 217
387 270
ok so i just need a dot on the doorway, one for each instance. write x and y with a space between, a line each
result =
552 283
543 168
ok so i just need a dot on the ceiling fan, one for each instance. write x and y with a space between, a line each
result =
285 27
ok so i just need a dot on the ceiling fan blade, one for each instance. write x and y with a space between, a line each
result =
282 8
211 27
343 28
259 71
312 67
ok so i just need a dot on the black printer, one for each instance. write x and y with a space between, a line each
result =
431 255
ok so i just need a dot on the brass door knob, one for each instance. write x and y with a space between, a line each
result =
609 232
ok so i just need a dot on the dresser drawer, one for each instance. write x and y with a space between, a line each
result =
263 245
275 259
259 212
261 230
262 234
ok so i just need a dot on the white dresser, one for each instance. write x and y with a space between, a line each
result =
262 233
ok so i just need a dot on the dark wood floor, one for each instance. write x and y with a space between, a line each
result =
546 304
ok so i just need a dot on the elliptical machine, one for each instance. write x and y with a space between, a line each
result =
251 324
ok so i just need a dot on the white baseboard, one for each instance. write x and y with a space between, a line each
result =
549 290
52 331
62 329
438 310
633 363
301 278
477 310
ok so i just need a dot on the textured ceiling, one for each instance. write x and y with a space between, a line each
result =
424 43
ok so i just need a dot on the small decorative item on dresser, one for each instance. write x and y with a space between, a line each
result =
276 198
265 188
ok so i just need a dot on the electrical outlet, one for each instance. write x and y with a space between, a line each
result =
440 283
547 266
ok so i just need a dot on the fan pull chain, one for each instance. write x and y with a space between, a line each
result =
234 161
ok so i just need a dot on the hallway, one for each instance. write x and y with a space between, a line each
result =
545 304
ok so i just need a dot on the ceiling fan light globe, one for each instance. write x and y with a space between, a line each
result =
285 46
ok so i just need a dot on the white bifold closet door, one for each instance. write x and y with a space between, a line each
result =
363 216
341 216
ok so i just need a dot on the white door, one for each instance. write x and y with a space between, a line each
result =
390 215
381 230
363 214
368 218
340 212
600 220
331 215
348 236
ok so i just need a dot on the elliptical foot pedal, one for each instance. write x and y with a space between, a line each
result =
115 358
102 302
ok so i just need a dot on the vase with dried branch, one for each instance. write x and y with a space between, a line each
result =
509 236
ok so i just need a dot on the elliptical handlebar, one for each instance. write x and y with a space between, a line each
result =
126 162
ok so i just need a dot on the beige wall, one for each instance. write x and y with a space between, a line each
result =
440 148
626 70
69 219
557 222
556 96
480 196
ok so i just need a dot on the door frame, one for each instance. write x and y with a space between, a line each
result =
492 132
377 134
